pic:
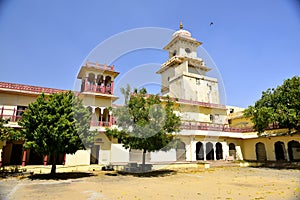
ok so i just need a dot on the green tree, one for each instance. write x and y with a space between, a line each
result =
280 106
57 124
146 123
7 133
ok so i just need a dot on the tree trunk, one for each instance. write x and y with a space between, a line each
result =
53 169
144 160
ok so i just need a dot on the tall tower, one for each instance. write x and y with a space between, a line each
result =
184 73
97 92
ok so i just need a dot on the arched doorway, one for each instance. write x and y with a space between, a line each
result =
94 156
100 81
260 150
97 116
91 81
209 151
294 150
105 117
180 152
219 151
199 151
232 150
108 85
279 150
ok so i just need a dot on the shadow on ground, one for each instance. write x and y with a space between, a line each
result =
60 176
156 173
275 164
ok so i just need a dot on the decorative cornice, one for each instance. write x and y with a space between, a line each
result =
14 87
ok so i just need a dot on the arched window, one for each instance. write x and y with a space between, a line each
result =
232 150
180 152
209 151
294 150
279 150
261 154
199 151
219 151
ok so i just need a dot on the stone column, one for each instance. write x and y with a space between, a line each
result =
112 87
95 84
104 86
93 116
2 109
101 115
110 118
45 160
24 157
287 151
191 149
1 157
65 158
204 149
86 84
14 115
215 150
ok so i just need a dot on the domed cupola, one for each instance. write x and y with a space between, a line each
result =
182 44
182 32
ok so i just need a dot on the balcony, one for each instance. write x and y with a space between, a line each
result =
214 127
102 123
204 104
11 113
96 65
15 115
191 102
97 89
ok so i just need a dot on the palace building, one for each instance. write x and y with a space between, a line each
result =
209 130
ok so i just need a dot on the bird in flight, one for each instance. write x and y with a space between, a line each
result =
211 23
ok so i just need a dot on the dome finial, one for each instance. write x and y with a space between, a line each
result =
180 26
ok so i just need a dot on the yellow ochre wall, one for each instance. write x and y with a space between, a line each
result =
16 99
248 146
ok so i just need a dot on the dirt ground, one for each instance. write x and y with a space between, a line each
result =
214 183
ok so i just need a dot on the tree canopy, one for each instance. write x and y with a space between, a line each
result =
280 106
7 133
57 124
146 122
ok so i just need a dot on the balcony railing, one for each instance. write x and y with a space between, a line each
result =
204 104
214 127
99 66
102 123
11 114
192 102
97 89
14 115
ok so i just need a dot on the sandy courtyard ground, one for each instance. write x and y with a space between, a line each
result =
215 183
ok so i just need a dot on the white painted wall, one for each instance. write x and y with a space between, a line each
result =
163 156
81 157
225 148
189 151
239 155
104 157
119 153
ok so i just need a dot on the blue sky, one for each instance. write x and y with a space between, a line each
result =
255 44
